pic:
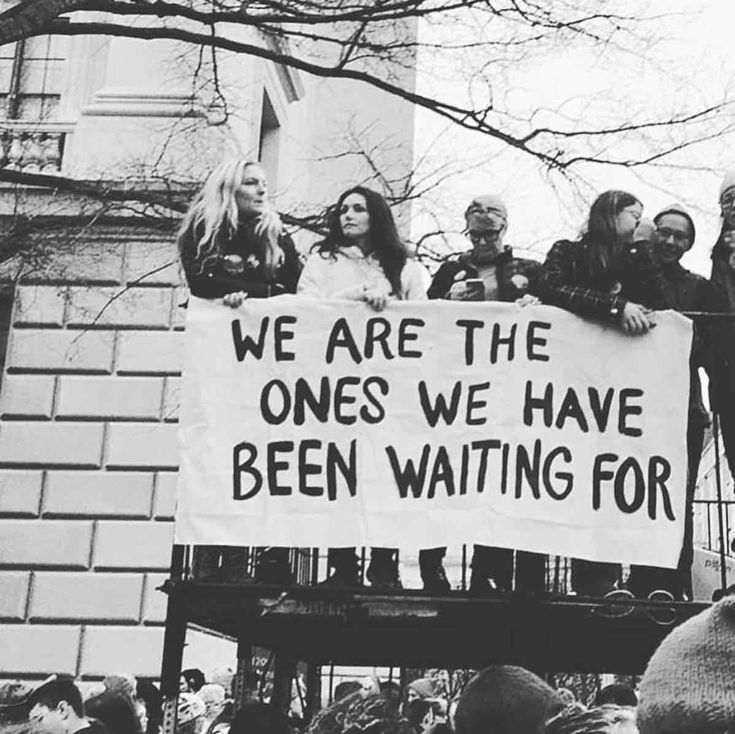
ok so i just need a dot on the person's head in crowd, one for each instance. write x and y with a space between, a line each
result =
566 696
608 719
194 679
390 690
569 700
190 711
486 221
213 696
13 703
419 713
689 683
122 683
611 225
618 694
727 199
149 695
55 707
673 236
370 685
718 594
345 688
116 711
234 194
223 676
505 699
260 718
420 688
360 713
362 217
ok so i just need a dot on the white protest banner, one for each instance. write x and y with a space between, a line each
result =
324 423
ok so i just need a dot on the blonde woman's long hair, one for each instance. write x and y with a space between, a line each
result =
213 216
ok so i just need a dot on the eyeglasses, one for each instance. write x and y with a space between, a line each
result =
487 235
679 237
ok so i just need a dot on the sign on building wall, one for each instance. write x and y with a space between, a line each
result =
706 575
318 423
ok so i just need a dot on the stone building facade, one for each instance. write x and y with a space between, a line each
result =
95 328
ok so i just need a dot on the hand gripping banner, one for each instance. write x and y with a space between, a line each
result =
324 423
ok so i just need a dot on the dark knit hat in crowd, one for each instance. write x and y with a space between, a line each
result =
505 699
689 684
682 212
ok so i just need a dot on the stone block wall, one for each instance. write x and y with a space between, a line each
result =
88 458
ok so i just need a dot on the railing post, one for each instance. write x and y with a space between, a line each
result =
718 484
173 642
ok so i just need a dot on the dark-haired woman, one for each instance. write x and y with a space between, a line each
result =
233 247
607 276
362 259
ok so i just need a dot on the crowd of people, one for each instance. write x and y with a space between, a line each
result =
688 688
620 271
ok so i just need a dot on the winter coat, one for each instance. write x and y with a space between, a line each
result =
515 276
341 274
565 280
215 276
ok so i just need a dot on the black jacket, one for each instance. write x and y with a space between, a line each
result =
211 279
514 274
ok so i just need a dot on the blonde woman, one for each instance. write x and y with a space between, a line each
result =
233 247
231 239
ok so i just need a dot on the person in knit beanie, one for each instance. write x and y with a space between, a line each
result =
689 684
420 688
505 699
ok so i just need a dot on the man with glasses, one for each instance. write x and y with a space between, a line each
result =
672 237
504 277
487 272
56 708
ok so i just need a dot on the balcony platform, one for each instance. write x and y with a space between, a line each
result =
408 628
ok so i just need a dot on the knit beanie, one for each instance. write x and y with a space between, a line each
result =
122 683
505 699
212 693
486 212
423 687
689 684
728 182
682 212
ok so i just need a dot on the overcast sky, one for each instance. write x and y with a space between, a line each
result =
684 59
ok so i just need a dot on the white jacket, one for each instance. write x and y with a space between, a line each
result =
346 272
